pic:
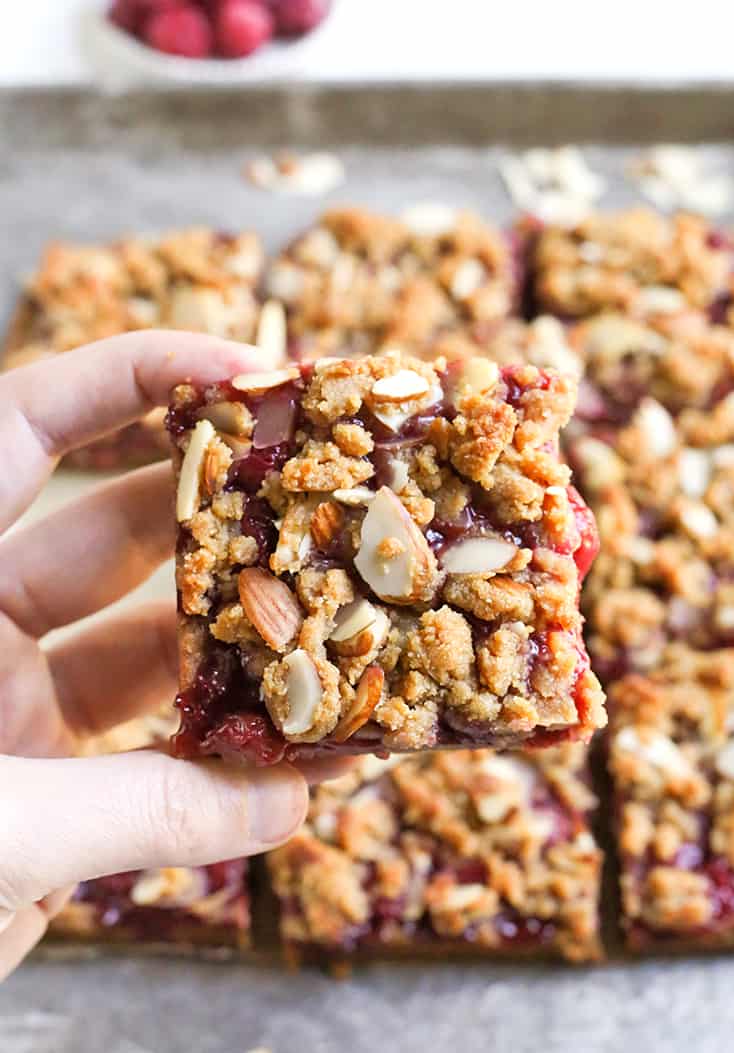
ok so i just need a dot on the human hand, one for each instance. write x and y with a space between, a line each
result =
64 819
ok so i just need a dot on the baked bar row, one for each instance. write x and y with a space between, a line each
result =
447 853
437 281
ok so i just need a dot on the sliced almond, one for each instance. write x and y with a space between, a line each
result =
398 475
357 495
401 386
270 605
724 762
394 414
326 522
467 278
367 641
410 573
657 427
231 417
430 219
272 331
368 694
256 383
211 470
240 447
189 480
167 887
478 375
304 691
351 619
478 555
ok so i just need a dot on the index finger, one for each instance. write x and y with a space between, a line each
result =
61 403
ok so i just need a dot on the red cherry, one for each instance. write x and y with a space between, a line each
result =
294 17
183 30
241 26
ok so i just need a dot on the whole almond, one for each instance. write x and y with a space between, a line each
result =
326 522
369 691
270 605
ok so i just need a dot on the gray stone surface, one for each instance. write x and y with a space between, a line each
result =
79 167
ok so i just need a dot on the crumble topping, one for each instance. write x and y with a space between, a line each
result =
636 261
670 750
359 281
379 590
449 846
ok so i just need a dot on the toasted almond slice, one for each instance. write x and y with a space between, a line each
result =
478 375
368 640
478 555
398 475
270 605
351 619
272 334
255 383
240 447
358 495
303 687
326 522
430 219
467 278
401 386
724 762
409 572
168 886
189 480
231 417
369 692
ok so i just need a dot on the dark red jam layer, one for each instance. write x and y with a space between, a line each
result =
115 909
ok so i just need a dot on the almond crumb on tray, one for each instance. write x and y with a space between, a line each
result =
385 557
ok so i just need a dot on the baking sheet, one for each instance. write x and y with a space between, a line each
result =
80 167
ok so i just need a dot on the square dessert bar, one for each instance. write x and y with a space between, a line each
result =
636 261
653 448
672 762
460 852
181 906
194 279
379 555
359 281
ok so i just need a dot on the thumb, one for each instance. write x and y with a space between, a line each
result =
63 821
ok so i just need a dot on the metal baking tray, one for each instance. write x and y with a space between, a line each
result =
82 166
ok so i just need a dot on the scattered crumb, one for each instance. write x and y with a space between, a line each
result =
674 177
309 174
557 185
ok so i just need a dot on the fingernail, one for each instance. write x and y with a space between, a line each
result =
277 800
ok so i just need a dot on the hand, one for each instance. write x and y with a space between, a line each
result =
63 820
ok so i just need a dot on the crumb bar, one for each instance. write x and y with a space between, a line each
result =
465 851
359 281
672 762
379 555
636 261
195 279
653 448
203 906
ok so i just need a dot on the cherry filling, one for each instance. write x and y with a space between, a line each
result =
111 897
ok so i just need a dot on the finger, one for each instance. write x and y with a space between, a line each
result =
89 553
24 929
63 821
64 402
117 669
21 931
318 771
